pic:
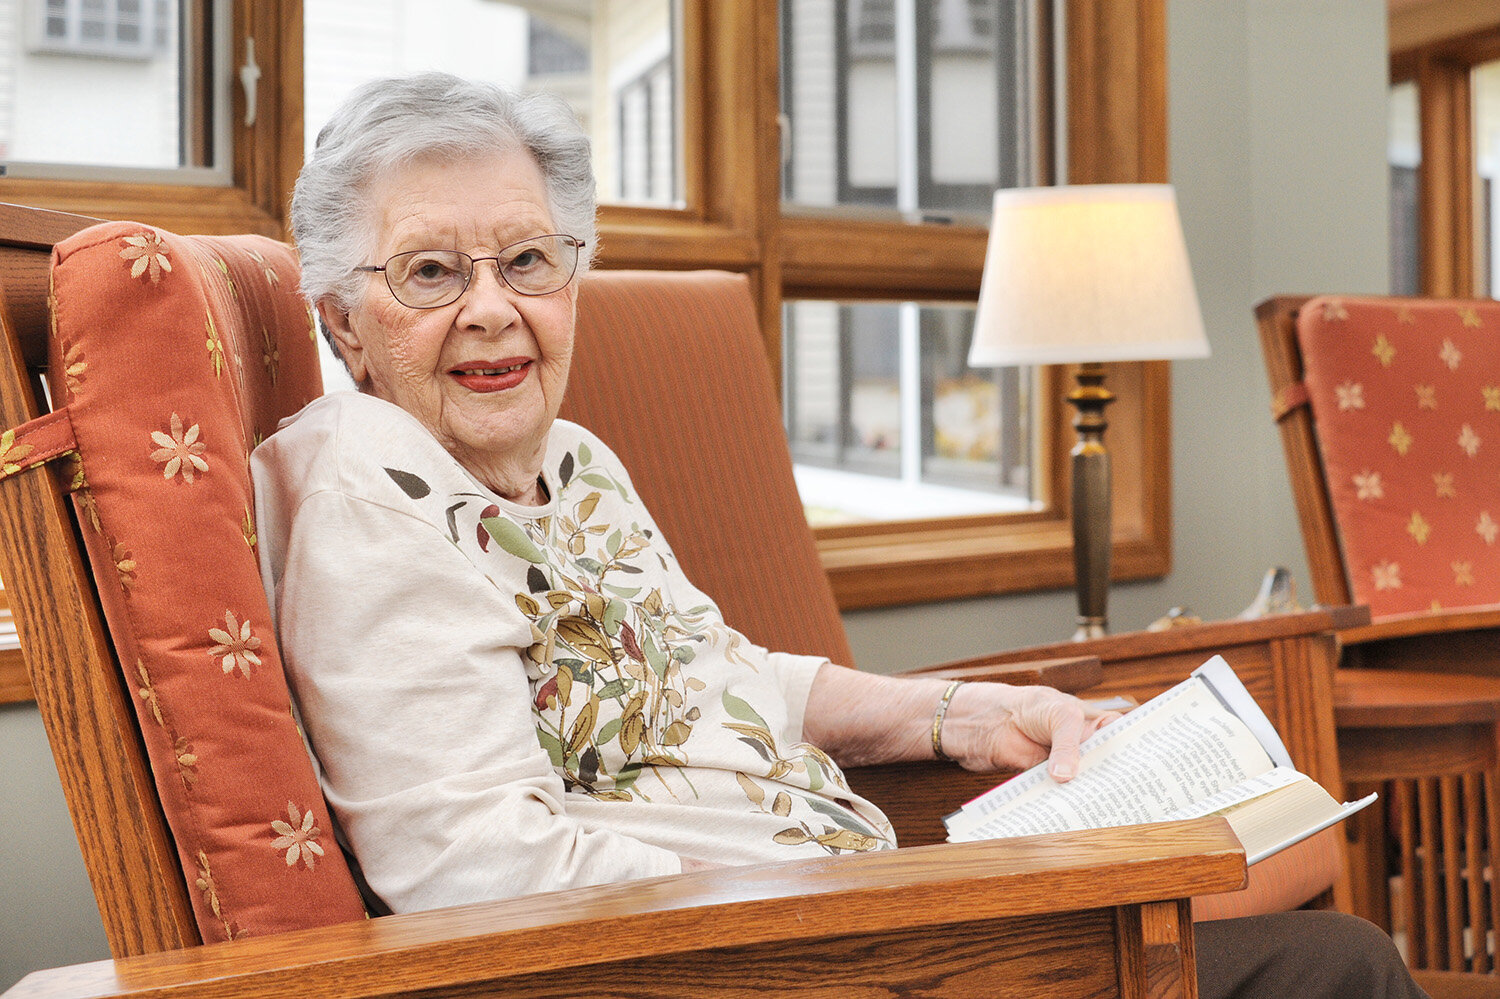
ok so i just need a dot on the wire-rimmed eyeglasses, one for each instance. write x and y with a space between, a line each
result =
430 279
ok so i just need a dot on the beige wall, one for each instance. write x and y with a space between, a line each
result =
1278 137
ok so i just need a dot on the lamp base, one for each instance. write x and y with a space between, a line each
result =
1090 627
1091 501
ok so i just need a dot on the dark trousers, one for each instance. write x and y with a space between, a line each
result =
1299 955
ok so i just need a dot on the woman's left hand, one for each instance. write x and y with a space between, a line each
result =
994 726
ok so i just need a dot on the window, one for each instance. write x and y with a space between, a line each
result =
616 61
123 29
1445 144
933 106
707 75
1405 156
99 90
887 421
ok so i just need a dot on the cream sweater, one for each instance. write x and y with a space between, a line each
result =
507 699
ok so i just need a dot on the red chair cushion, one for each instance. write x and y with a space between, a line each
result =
1405 395
175 356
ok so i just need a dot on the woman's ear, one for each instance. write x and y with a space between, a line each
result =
347 340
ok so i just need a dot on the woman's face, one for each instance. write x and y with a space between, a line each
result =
486 373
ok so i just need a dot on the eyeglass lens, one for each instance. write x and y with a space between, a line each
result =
427 279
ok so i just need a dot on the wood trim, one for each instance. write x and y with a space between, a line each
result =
1445 178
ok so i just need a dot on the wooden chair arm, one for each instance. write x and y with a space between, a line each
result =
1069 674
1423 623
709 923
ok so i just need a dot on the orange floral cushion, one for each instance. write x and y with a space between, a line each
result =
1405 395
175 356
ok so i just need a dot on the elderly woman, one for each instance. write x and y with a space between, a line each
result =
509 684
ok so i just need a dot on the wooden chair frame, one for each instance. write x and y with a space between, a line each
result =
1105 911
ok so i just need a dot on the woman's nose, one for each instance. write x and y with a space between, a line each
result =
488 299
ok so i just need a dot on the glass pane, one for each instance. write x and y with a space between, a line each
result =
90 86
907 105
1404 151
615 61
1487 167
888 422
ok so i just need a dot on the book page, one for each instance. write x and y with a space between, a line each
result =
1222 678
1179 748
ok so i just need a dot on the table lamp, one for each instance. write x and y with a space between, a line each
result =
1084 275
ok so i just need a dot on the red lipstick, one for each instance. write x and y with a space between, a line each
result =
492 376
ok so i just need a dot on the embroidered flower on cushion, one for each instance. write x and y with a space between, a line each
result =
124 565
1418 527
1463 573
147 692
1334 310
1486 528
74 368
1491 397
270 354
1387 576
1443 483
1450 355
215 346
1470 316
182 451
1405 316
1351 396
205 884
299 837
1384 352
187 761
1367 486
271 275
237 647
1400 439
1468 440
11 453
147 255
1426 396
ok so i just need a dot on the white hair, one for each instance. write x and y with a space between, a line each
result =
391 123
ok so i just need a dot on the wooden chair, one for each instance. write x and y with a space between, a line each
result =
1101 913
1418 697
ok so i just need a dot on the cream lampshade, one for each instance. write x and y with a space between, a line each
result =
1085 275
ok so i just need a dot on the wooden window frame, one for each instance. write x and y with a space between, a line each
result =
1447 226
734 220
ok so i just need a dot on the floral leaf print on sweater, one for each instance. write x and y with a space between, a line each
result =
640 694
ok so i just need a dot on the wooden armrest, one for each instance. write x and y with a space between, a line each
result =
710 923
1423 623
1069 674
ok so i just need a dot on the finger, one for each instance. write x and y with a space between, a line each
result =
1067 734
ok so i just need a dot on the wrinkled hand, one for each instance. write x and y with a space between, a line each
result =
994 726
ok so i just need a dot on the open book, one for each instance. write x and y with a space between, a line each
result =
1202 748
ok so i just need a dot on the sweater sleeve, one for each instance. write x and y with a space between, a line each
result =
413 694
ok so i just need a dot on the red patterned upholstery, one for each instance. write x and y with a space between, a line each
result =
1405 395
206 346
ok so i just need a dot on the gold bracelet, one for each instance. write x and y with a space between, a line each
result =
937 720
